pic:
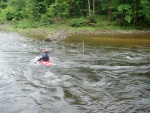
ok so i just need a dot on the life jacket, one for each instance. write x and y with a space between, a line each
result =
45 57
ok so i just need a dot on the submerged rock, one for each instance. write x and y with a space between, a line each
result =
48 40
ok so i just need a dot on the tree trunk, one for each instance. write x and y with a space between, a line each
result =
109 10
93 7
123 14
84 7
135 14
89 7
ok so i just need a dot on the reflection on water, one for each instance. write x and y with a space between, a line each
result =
111 77
139 39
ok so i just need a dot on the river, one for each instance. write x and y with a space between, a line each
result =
109 74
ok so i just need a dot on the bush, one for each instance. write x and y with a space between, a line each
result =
81 22
26 24
92 19
12 15
58 10
2 16
3 5
45 20
9 15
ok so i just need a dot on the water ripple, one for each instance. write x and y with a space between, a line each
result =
106 79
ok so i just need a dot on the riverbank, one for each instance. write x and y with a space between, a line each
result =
59 33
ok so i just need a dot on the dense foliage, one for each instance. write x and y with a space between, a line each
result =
32 13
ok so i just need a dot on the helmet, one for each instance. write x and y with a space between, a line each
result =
46 50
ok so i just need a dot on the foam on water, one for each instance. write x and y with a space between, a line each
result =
107 78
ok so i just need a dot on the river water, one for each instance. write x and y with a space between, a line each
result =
110 74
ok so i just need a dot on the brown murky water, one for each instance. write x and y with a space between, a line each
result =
131 39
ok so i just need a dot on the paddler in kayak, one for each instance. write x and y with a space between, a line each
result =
45 56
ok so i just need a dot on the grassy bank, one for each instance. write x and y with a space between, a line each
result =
63 27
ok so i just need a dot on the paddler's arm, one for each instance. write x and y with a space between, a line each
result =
38 59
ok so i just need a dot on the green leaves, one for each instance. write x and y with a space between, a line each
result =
58 10
145 4
79 22
45 21
124 12
123 7
82 22
128 18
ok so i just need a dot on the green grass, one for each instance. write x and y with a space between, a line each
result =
29 27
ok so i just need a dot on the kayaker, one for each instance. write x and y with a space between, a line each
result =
45 56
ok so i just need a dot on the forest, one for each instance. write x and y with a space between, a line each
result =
75 13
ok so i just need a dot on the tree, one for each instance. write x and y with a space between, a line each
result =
59 10
89 7
110 9
124 12
145 11
93 7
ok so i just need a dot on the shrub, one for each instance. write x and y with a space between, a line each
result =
26 24
45 20
3 5
9 15
81 22
92 19
58 10
2 16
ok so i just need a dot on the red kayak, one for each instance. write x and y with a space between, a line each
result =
46 63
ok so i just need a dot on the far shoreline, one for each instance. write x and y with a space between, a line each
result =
50 34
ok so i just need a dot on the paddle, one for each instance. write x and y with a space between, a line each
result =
37 59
